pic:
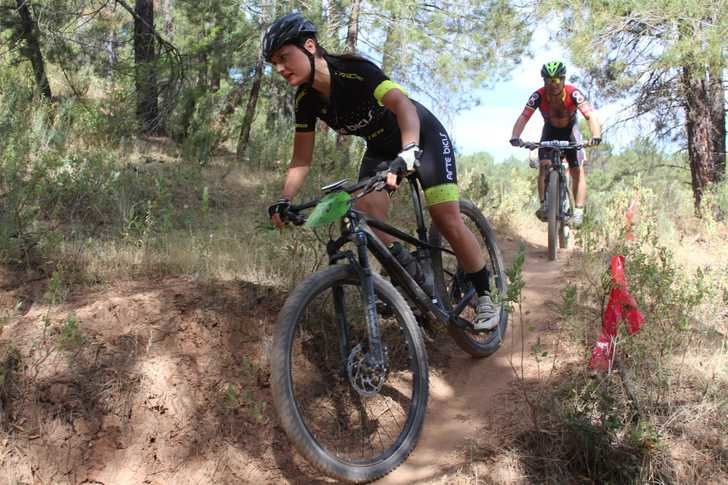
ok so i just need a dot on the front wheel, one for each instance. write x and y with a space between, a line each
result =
451 283
553 213
350 423
567 210
567 205
564 236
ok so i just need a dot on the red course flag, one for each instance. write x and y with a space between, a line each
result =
621 306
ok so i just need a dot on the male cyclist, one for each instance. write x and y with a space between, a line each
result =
558 103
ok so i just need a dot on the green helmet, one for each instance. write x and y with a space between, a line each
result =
553 69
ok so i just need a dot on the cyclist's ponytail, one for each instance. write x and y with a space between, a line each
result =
347 56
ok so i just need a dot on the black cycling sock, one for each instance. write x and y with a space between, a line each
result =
480 280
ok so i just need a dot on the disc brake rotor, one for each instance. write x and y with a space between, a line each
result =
365 376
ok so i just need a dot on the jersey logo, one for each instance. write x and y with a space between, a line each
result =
300 95
578 97
375 134
361 124
349 75
446 151
533 100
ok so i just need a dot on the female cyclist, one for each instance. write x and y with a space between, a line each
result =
353 96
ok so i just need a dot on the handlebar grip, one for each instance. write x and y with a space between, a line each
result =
295 218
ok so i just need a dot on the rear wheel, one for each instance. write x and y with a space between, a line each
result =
553 213
451 284
353 422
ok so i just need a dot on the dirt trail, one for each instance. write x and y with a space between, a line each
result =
466 401
166 381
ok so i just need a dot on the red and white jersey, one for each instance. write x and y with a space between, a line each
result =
565 108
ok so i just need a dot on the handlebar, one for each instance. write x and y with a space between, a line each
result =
372 184
558 144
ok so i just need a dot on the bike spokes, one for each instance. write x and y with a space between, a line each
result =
352 405
461 296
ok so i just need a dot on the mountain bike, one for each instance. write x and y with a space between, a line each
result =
349 371
559 197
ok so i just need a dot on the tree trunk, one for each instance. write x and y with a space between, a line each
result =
343 143
189 104
703 136
232 101
202 68
352 34
30 34
390 47
717 116
252 103
215 76
113 56
145 68
167 6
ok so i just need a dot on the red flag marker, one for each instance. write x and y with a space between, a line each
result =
621 306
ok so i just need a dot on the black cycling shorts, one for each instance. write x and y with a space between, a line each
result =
437 171
568 133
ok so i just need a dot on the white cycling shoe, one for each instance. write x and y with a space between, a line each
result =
578 217
488 314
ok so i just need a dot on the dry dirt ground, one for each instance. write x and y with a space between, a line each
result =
166 382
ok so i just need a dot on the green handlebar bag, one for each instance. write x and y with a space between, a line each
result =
330 208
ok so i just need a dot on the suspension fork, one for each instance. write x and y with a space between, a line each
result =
556 169
376 350
361 264
563 195
343 325
335 255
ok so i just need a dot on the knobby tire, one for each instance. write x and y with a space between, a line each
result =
553 214
312 406
451 284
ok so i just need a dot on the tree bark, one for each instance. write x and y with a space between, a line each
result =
244 138
390 47
343 143
30 34
202 69
352 34
145 68
717 116
168 29
113 56
215 76
705 139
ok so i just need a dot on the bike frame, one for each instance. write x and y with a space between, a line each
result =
565 190
357 227
557 152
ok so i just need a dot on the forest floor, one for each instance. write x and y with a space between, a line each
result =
167 381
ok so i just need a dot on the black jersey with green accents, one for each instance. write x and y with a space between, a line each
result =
354 106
